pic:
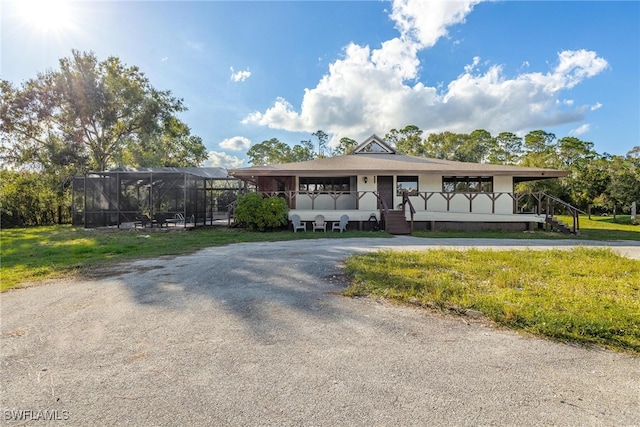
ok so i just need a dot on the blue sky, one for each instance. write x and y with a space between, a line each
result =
251 71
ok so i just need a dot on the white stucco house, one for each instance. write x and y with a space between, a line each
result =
427 193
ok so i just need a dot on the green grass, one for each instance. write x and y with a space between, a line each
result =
606 228
589 296
39 253
597 228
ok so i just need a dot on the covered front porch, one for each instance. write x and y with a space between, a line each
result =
372 220
428 210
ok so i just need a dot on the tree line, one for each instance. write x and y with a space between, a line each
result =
605 182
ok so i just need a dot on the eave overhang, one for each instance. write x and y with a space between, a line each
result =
392 164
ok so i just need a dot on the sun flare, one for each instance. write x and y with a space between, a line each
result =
46 15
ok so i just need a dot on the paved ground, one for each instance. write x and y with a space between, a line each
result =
256 334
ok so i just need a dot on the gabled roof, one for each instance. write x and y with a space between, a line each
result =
373 145
382 162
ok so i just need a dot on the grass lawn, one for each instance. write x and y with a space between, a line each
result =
597 228
38 253
589 296
606 227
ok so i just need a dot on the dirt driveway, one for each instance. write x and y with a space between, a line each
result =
257 334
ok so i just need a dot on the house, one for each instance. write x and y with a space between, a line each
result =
376 184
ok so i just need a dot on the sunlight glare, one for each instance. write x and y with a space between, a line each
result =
46 15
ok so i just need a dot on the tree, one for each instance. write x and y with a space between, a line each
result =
474 147
441 145
302 152
539 142
27 198
174 147
407 140
624 186
95 113
572 150
588 181
540 150
540 153
322 142
268 152
91 115
634 152
507 149
460 147
273 151
345 146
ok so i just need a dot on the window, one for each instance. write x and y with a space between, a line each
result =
467 184
408 184
325 184
374 147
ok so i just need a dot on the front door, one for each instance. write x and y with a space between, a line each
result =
385 190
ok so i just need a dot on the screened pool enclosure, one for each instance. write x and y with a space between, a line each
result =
186 197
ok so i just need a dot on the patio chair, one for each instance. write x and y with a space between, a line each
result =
161 220
342 225
319 224
297 224
143 221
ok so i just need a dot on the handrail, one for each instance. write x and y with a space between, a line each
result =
385 208
565 204
382 202
412 210
575 212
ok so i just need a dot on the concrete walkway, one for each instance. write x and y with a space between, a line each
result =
257 334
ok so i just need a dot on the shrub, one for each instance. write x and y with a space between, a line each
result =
257 213
28 198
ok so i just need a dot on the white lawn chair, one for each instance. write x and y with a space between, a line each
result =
297 224
342 225
319 224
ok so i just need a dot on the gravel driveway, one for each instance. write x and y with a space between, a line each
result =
257 334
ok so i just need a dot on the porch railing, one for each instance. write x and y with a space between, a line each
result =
532 203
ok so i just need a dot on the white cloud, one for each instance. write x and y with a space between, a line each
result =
236 143
425 22
164 58
580 130
223 160
596 106
374 90
240 76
